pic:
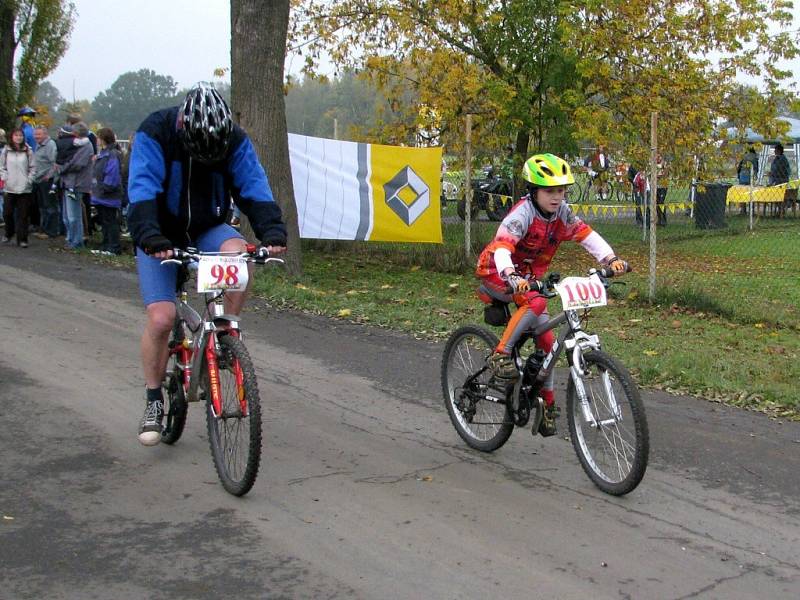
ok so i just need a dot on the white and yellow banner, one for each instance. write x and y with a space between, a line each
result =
353 191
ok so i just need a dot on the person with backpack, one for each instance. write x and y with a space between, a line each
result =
16 169
749 161
107 190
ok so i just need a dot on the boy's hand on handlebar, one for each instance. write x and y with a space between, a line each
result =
518 283
618 266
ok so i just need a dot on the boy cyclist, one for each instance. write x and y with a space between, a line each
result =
521 252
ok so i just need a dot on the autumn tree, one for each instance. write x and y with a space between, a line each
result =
549 73
258 50
498 60
132 97
33 37
680 59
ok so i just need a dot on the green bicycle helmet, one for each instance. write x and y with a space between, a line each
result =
547 170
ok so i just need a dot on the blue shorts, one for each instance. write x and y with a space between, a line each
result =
157 281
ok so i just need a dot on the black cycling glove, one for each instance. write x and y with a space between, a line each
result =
156 243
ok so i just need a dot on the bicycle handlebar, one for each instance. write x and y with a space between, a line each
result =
547 285
253 254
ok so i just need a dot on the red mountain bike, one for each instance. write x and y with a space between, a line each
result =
209 362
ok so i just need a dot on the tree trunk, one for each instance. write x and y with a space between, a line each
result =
258 50
7 92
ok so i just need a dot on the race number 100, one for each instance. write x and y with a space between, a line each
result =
581 292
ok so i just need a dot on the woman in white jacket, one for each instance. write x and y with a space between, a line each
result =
16 169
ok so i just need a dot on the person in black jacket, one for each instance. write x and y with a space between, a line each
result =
187 163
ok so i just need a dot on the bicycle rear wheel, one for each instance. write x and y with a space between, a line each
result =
235 434
477 410
175 405
609 431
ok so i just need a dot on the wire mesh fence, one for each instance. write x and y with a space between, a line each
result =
722 248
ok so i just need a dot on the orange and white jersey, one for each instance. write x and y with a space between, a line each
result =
533 238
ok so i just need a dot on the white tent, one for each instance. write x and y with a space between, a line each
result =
791 148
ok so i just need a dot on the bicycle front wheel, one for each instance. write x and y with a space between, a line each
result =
607 424
474 401
235 434
175 405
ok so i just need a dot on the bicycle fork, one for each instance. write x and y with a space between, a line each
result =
212 352
578 345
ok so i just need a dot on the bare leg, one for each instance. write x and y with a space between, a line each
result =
154 348
234 301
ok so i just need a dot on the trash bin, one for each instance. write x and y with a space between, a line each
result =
709 205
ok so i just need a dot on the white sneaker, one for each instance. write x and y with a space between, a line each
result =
150 427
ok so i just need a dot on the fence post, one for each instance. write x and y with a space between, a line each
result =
651 292
468 195
335 128
750 204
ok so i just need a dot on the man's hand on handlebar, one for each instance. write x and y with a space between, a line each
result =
274 250
157 246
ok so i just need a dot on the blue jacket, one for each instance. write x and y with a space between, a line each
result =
178 197
107 182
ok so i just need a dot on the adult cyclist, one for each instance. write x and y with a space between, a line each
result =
187 164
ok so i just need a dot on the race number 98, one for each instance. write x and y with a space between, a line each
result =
221 273
228 275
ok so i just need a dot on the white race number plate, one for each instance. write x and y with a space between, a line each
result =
581 292
221 273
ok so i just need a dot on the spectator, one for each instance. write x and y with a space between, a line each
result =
88 223
27 125
661 190
780 170
641 187
107 189
125 170
75 118
44 159
2 183
75 179
749 161
16 169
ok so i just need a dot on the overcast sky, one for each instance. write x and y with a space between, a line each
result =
186 39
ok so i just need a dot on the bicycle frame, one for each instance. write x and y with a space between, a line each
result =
571 337
204 345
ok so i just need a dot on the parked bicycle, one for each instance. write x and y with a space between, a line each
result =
209 362
605 414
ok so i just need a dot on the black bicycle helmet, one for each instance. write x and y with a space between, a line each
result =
207 123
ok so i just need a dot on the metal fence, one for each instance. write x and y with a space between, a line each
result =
715 245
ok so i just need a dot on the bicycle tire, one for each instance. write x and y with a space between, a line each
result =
175 406
489 432
233 432
575 193
622 465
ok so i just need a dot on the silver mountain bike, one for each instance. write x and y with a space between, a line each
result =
605 414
